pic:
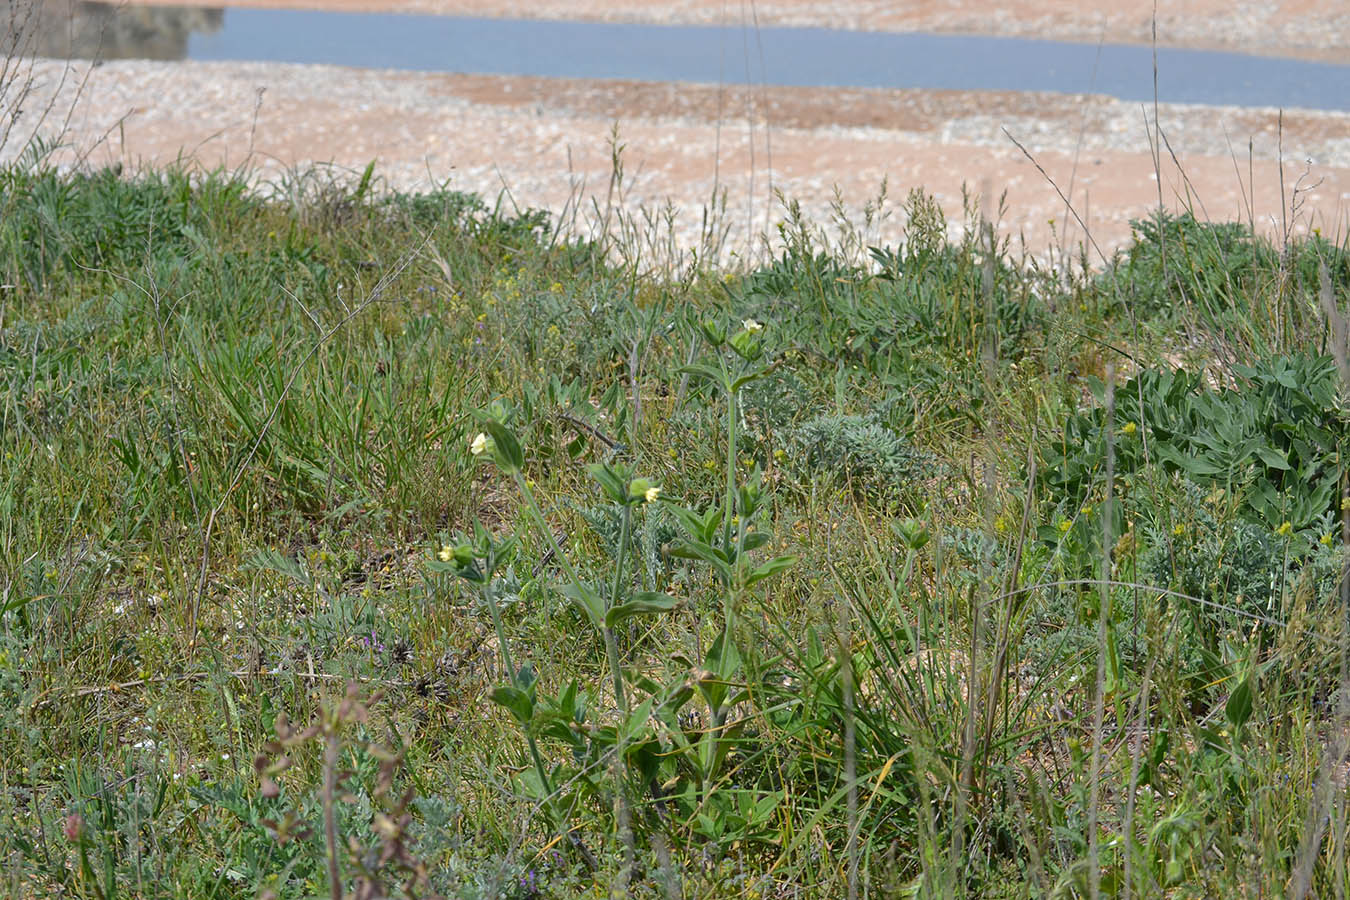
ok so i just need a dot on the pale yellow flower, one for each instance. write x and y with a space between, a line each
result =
479 445
446 553
652 493
751 325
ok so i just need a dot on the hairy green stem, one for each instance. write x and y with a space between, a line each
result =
512 675
331 751
532 507
501 632
729 510
611 645
611 649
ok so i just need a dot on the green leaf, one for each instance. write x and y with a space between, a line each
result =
772 567
749 377
588 600
642 603
1272 457
754 540
707 372
567 702
700 526
1238 709
1190 464
515 700
700 550
508 453
723 658
765 806
637 720
611 482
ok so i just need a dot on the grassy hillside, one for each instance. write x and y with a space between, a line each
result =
405 546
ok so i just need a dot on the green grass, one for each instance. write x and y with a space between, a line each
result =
257 590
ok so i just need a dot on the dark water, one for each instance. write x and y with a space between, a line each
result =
783 56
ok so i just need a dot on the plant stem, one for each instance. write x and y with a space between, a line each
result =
730 499
611 645
611 649
330 829
501 632
511 675
532 507
611 652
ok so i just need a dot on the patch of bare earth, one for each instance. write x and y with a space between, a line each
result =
547 141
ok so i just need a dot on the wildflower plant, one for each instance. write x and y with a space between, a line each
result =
647 741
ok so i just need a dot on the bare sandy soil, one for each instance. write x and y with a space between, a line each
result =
1292 27
548 142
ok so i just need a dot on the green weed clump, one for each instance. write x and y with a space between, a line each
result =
359 544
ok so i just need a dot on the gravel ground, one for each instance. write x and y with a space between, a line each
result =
548 142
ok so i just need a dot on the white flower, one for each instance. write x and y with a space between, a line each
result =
479 445
751 325
652 493
446 553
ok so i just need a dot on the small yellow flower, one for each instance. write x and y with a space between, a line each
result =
1129 429
642 489
751 325
1326 539
480 444
1178 529
1285 529
1064 526
1086 510
446 553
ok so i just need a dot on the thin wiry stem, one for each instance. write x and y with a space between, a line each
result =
1103 624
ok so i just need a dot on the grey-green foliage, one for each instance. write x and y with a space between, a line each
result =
655 530
1232 563
775 401
862 451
